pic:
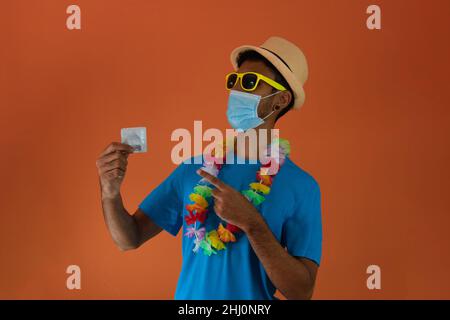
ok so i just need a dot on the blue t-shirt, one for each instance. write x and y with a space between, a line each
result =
292 210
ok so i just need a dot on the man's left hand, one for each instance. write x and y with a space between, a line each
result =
231 205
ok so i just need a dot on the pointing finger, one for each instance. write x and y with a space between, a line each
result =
219 184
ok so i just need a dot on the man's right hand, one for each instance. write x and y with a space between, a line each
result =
112 165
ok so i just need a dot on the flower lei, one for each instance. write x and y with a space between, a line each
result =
212 240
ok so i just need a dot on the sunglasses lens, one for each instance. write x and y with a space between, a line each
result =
231 80
249 81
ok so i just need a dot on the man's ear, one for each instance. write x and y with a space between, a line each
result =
284 99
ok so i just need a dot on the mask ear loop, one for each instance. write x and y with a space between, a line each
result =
275 108
272 94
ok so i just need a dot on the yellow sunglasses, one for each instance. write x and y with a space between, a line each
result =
250 80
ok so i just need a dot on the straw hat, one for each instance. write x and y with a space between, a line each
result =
287 58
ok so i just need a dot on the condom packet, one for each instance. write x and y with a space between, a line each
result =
135 137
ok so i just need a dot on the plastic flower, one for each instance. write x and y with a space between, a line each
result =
254 197
195 208
232 228
198 233
201 216
190 232
198 199
216 161
270 168
264 179
213 238
197 243
260 187
201 233
204 191
211 169
285 146
225 235
191 218
207 249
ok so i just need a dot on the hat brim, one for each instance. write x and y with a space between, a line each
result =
299 93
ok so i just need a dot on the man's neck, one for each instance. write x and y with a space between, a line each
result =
252 150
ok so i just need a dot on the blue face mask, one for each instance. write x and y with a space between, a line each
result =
242 112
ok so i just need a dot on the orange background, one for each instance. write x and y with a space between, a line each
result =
374 132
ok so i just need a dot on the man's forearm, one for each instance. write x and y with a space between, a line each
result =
120 223
288 274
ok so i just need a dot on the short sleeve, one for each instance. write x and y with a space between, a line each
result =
164 205
302 231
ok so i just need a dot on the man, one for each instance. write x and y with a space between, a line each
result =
279 246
